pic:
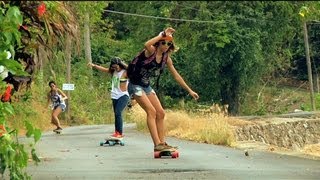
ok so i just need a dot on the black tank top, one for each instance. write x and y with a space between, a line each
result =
143 72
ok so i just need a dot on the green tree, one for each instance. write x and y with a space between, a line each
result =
225 56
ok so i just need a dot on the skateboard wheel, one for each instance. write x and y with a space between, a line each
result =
122 143
111 143
157 154
101 143
175 154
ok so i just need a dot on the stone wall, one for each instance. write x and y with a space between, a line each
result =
292 134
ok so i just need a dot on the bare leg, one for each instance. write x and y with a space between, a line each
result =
55 119
160 114
146 105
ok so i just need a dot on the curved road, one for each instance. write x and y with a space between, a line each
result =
76 154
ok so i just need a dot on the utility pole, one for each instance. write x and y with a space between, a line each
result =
87 44
306 43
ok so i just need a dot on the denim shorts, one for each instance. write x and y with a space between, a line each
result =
138 90
62 106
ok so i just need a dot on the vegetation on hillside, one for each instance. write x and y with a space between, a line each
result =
233 50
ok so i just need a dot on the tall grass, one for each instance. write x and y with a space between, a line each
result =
211 128
31 111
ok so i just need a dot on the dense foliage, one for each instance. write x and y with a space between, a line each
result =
229 50
13 154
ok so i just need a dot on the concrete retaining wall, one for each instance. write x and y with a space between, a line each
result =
293 134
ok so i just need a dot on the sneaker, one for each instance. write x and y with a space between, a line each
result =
117 135
57 129
162 147
171 147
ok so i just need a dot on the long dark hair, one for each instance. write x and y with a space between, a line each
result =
51 90
51 82
118 61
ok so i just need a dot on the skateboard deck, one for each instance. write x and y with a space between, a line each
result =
112 141
166 153
57 131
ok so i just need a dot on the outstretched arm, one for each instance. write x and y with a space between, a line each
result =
100 68
180 80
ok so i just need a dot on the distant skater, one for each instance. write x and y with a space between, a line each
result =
57 98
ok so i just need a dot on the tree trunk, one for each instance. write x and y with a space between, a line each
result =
87 44
231 98
233 102
68 63
315 82
42 56
306 43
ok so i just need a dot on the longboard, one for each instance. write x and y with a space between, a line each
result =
166 153
112 141
57 131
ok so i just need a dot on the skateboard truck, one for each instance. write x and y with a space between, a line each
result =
57 131
112 141
168 153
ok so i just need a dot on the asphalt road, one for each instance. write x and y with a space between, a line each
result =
77 154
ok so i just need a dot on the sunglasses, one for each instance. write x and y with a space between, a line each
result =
166 43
